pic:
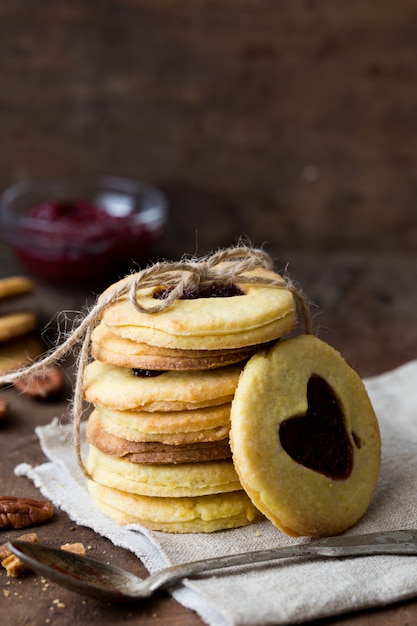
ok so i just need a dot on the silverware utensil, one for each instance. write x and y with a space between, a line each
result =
90 577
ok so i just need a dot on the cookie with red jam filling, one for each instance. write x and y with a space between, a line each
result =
305 438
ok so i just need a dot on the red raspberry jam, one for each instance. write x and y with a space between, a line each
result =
215 290
318 440
141 373
77 241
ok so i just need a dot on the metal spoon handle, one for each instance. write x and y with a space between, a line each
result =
88 576
389 542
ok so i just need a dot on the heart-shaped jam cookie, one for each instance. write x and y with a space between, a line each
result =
305 438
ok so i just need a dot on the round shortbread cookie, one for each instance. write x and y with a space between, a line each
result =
305 438
261 314
162 480
119 388
20 352
203 514
13 325
15 286
154 452
115 350
175 428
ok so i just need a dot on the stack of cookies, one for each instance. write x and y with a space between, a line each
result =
161 385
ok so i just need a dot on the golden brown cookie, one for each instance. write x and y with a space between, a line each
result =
119 388
14 325
258 315
154 452
19 352
174 428
15 286
115 350
204 514
305 438
162 480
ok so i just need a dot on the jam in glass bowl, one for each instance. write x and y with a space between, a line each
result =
75 231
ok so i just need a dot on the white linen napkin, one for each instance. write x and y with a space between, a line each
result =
286 592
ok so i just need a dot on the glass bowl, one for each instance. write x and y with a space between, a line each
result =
75 231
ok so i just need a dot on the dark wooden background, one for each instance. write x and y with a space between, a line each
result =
304 112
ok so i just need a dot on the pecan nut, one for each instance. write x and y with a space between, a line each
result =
47 382
23 512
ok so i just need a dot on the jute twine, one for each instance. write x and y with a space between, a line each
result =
178 278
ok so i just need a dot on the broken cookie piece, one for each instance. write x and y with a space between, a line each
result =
76 548
14 567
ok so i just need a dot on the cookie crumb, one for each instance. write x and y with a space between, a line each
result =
76 548
58 603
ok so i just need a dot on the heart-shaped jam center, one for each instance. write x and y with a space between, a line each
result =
318 440
214 290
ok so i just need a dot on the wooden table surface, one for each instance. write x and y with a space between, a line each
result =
363 305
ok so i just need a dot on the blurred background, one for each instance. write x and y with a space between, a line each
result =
302 113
